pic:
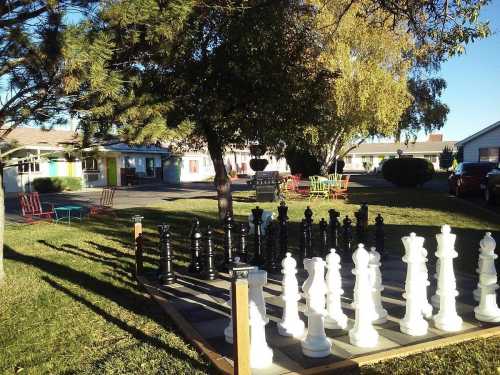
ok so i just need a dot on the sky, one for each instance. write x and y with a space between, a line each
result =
473 83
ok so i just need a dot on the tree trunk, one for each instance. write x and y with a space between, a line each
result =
221 181
2 223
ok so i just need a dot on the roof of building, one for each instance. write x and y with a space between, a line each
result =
392 148
479 133
125 148
39 137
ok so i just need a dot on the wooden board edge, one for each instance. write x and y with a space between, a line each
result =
188 331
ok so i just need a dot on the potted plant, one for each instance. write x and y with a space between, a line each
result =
258 164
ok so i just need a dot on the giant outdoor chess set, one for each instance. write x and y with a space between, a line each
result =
334 313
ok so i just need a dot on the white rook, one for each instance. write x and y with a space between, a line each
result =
291 324
447 318
413 323
316 344
261 355
363 334
335 318
488 310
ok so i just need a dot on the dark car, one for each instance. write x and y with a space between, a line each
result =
491 186
467 177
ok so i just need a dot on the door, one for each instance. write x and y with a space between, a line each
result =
111 171
52 168
71 169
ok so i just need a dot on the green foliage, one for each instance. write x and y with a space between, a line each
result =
408 172
446 158
301 161
57 184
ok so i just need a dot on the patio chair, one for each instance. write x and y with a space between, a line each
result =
31 207
317 188
341 190
105 202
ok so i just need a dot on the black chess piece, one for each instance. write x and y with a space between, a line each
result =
302 244
228 243
195 266
283 229
258 258
309 251
364 214
335 228
380 235
323 235
347 237
210 272
167 275
359 226
242 251
271 254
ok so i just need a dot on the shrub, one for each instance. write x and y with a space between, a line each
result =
340 167
408 172
57 184
301 161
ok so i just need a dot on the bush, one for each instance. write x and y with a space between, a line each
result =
57 184
408 172
340 167
301 161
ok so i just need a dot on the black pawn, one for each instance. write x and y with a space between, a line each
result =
167 275
283 227
271 258
258 258
242 251
195 265
323 235
347 237
359 225
302 244
210 271
380 235
309 230
364 212
228 243
335 227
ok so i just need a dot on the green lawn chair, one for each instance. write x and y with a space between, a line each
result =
318 188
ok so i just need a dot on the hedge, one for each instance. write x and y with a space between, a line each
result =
408 172
57 184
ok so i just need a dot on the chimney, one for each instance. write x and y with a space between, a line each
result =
435 138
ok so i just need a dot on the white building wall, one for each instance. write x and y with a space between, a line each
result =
196 167
489 139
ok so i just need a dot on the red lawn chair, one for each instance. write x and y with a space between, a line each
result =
31 207
105 203
341 191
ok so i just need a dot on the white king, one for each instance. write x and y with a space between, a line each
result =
488 310
447 318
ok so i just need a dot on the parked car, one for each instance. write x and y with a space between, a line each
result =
491 186
467 177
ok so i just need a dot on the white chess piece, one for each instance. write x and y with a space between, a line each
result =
488 310
447 318
376 285
335 318
291 324
261 355
426 306
316 344
363 334
477 292
435 297
228 331
413 323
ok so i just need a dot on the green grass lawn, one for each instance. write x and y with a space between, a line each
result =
70 304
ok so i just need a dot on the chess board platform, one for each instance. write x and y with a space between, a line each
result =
201 311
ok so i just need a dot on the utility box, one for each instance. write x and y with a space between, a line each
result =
266 186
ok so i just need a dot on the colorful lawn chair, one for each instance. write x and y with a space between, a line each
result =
105 203
318 188
31 207
341 190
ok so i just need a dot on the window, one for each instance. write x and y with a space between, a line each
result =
90 164
25 167
126 162
348 160
150 167
367 159
193 166
489 154
431 158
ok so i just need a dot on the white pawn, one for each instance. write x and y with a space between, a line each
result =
413 323
363 334
447 318
488 310
291 325
476 293
376 285
316 344
261 355
335 319
426 306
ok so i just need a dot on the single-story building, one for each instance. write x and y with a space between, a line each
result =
483 145
36 153
372 154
